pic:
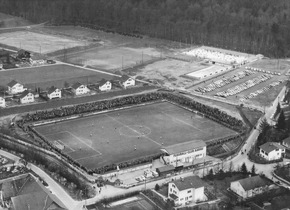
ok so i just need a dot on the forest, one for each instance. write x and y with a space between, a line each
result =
251 26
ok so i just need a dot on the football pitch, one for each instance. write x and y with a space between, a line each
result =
131 133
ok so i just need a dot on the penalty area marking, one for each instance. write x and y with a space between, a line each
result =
83 142
66 145
88 157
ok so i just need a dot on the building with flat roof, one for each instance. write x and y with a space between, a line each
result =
184 152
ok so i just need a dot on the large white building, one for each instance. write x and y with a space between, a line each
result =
272 151
80 89
185 152
186 190
15 87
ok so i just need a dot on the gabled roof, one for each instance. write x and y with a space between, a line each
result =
185 146
287 140
253 182
76 85
103 81
189 182
271 146
124 78
12 83
51 90
24 93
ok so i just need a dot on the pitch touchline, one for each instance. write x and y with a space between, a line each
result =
133 130
183 122
84 142
87 157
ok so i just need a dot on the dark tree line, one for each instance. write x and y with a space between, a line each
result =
260 26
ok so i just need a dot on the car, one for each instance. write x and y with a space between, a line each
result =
50 62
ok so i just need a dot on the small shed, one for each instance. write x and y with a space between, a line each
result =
164 170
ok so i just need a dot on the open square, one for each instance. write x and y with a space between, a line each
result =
122 135
37 42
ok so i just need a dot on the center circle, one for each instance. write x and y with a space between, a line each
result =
134 130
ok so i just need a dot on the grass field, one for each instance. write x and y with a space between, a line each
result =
113 58
113 136
46 76
36 42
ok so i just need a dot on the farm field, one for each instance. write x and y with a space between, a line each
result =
37 42
109 58
112 137
46 76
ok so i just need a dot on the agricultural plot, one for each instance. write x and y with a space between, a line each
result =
132 133
37 42
46 76
113 59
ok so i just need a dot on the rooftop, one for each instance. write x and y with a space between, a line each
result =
124 78
254 182
12 83
189 182
102 82
287 140
185 146
270 146
51 90
76 85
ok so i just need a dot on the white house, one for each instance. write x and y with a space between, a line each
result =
80 89
105 85
53 92
26 97
185 152
272 151
2 102
250 187
286 143
15 87
186 190
127 81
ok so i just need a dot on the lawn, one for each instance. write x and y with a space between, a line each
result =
46 76
37 42
127 134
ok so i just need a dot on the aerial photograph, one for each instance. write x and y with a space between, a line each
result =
144 105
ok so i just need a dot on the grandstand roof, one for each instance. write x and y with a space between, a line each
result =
183 147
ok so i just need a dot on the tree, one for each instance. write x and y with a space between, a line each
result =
66 84
231 167
244 169
253 170
281 124
210 174
157 187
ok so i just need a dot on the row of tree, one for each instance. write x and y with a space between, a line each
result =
260 26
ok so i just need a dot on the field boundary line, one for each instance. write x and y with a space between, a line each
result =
142 205
87 157
83 142
134 130
66 145
183 122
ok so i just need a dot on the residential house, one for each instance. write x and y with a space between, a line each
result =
23 55
186 190
2 102
26 97
31 195
286 143
15 87
105 85
53 93
127 81
185 152
272 151
79 89
250 187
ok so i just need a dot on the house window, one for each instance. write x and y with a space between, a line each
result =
190 196
181 199
189 191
